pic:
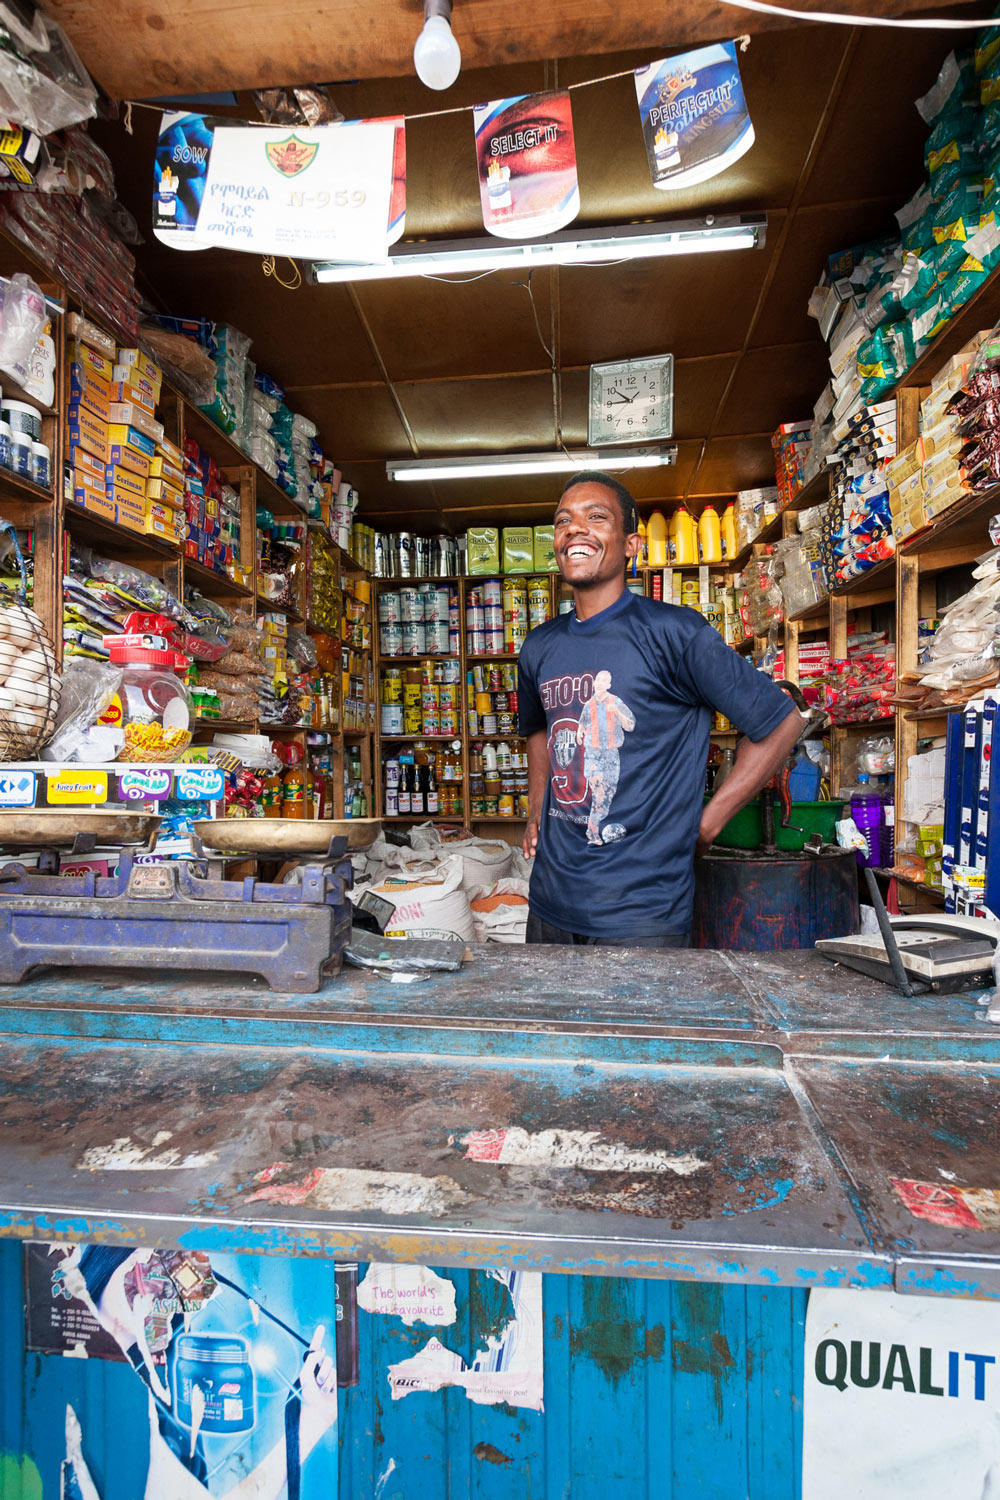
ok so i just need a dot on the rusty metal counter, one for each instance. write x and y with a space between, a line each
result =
729 1117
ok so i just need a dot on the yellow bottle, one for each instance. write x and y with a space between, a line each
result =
642 557
709 536
729 548
656 539
672 541
687 540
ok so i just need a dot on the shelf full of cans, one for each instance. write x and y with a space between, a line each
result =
421 698
419 619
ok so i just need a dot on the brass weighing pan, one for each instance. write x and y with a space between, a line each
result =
285 836
52 828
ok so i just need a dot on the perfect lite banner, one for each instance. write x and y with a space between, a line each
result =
901 1398
694 117
331 192
527 165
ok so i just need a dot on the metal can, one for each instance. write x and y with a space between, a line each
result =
484 703
413 720
431 721
492 591
449 721
392 718
437 603
390 638
392 685
493 616
488 723
451 671
436 637
412 633
501 703
538 601
505 805
448 695
411 605
429 700
506 724
392 771
392 802
494 639
388 608
475 642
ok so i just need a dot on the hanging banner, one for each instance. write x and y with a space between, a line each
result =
694 116
331 192
900 1398
527 165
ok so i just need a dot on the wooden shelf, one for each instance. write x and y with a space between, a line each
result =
14 487
216 443
224 726
273 498
392 661
510 656
745 647
212 584
272 607
863 582
95 532
957 536
981 311
818 612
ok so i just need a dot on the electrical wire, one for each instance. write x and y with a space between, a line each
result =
832 17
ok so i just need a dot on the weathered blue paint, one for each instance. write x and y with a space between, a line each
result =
653 1391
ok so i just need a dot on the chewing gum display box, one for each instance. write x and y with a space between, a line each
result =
126 414
544 549
90 390
518 549
482 549
88 431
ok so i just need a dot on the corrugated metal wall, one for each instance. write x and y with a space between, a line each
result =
665 1390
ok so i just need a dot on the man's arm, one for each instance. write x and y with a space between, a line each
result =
538 775
755 764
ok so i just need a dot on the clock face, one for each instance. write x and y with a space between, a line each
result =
631 401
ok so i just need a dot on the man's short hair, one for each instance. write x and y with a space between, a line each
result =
626 503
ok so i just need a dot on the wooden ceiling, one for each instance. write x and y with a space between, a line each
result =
427 368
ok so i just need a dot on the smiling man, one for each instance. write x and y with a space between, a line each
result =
615 700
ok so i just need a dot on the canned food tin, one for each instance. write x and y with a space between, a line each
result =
391 802
492 593
475 642
388 609
390 639
411 694
505 805
429 697
490 807
451 671
392 718
538 601
437 604
488 723
501 704
494 639
413 643
506 724
493 616
484 703
392 771
448 695
449 721
522 805
411 606
436 637
431 721
392 686
413 720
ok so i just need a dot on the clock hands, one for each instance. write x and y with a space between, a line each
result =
621 395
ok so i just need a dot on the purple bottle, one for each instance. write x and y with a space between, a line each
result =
868 813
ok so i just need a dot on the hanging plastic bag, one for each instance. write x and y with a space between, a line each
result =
43 84
22 320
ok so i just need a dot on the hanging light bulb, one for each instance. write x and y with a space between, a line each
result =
437 56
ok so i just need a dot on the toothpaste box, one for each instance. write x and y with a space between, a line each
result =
88 431
134 387
121 435
162 468
83 354
90 390
136 359
136 417
128 458
90 467
118 479
166 494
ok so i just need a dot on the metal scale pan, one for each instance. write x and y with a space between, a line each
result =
286 838
76 830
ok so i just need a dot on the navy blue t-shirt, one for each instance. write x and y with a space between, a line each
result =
626 698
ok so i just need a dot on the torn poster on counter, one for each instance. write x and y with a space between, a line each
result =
512 1146
510 1368
416 1294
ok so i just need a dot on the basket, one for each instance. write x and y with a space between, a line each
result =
29 682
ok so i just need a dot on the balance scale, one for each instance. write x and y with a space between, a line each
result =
176 915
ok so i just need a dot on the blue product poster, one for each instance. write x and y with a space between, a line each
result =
694 117
180 169
230 1380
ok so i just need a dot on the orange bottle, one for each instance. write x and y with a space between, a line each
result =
293 792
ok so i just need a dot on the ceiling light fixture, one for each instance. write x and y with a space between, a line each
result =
613 243
504 465
437 56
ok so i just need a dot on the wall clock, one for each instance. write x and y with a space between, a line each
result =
631 401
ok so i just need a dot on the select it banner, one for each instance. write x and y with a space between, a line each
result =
334 192
694 117
527 165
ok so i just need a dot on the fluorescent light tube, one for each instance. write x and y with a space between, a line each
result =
503 465
567 248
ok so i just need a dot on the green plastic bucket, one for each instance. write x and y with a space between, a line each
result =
744 830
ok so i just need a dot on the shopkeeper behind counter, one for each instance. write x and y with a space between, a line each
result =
615 700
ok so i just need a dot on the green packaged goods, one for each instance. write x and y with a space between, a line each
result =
955 83
987 48
482 549
957 216
518 554
544 549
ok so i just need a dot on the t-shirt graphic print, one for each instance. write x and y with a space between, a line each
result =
584 754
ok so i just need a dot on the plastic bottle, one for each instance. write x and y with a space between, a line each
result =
293 792
656 539
687 540
726 766
643 556
868 814
729 547
709 536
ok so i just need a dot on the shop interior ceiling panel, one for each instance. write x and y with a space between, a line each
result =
197 46
425 368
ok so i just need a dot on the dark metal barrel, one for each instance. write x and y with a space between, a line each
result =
765 903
